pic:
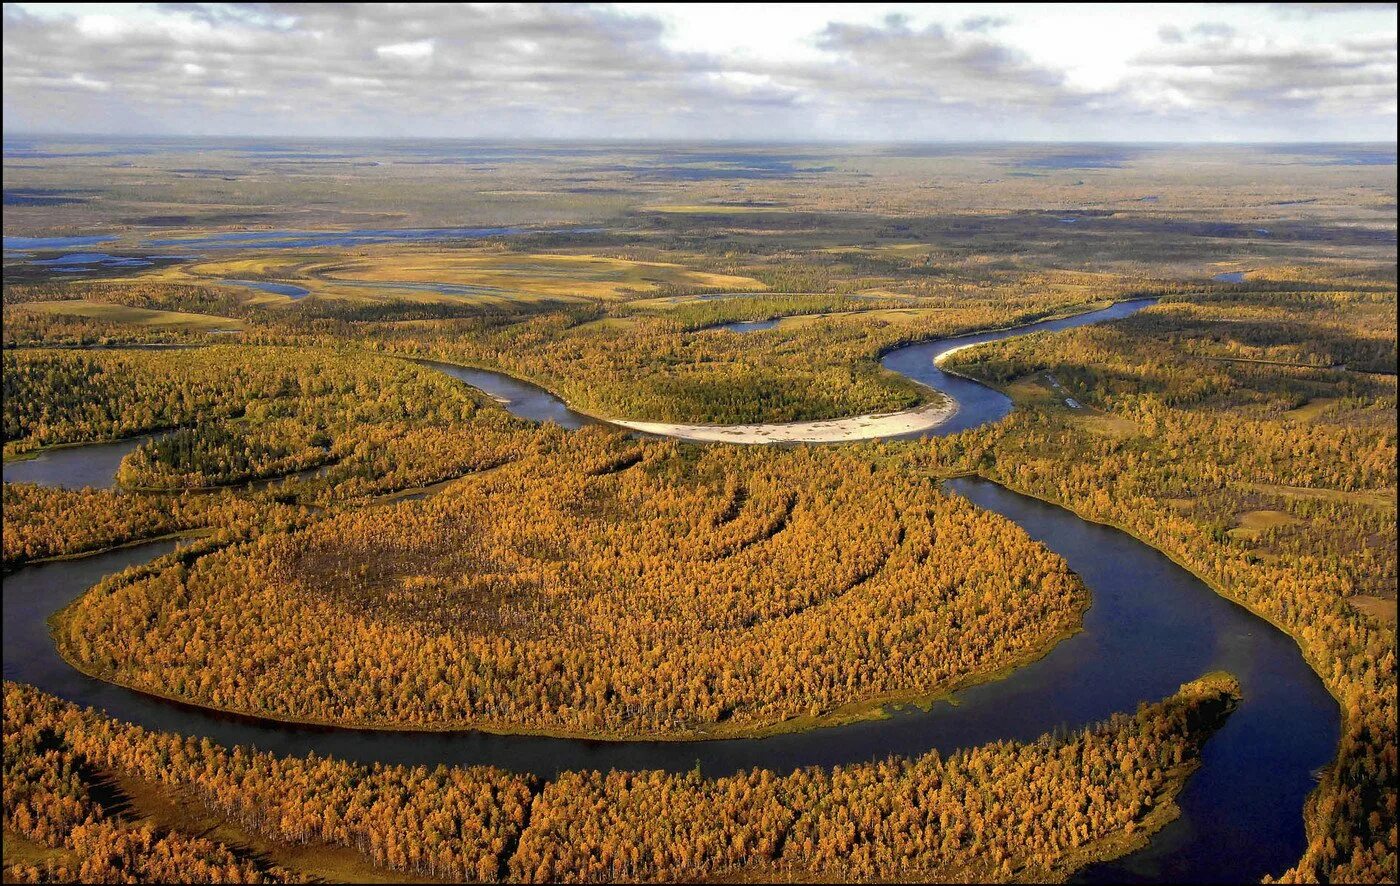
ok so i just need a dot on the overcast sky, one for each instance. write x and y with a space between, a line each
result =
1218 72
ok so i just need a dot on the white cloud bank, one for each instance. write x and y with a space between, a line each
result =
945 72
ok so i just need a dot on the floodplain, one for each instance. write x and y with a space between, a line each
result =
275 360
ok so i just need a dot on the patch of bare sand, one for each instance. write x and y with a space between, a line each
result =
836 430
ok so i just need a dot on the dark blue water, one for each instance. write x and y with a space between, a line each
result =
1152 626
247 240
519 397
1229 277
46 196
977 403
73 467
56 242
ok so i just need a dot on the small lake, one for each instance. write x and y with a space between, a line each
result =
286 289
93 259
28 243
750 325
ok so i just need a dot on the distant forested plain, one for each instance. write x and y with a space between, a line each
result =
366 541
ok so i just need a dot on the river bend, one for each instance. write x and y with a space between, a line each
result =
1152 625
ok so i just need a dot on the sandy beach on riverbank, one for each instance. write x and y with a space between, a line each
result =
836 430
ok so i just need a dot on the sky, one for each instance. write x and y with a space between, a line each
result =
758 72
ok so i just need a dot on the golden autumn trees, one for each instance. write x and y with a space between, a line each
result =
1039 809
1217 439
599 586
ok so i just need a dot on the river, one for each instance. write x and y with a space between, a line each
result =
1152 625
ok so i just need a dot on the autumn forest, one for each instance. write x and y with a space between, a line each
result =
458 511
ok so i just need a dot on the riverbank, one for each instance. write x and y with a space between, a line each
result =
841 430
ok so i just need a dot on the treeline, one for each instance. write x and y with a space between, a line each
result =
155 294
1255 354
45 521
543 595
1015 811
698 314
30 329
387 459
54 396
451 823
216 453
50 802
1197 460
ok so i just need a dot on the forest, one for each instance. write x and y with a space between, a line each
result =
1214 443
1039 810
366 541
817 586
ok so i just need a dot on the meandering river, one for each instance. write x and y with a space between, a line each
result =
1152 626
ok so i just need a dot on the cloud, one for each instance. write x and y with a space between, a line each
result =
1214 66
896 61
588 71
423 59
984 23
418 50
1309 10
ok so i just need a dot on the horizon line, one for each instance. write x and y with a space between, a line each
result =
730 141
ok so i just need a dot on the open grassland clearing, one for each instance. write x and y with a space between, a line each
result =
1312 410
1038 390
1384 499
1253 524
172 808
670 302
607 324
1377 607
489 277
719 209
892 316
555 275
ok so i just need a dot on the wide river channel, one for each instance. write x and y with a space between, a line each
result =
1151 627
